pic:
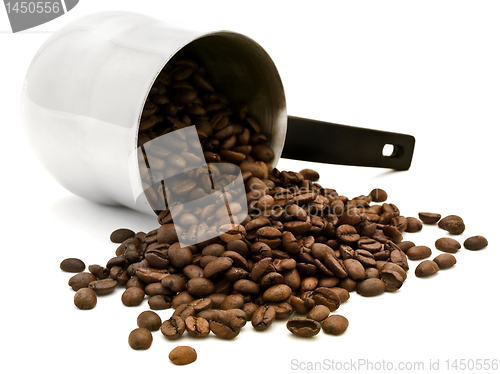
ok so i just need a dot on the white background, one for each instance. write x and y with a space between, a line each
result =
426 68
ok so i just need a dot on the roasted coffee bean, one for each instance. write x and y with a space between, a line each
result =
354 269
174 282
80 280
173 328
448 245
72 265
263 317
475 243
197 326
413 224
151 275
98 271
149 320
429 218
216 266
418 252
225 325
347 234
319 313
133 296
405 245
371 287
426 268
378 195
445 260
276 293
310 174
103 286
140 338
120 235
453 224
85 299
182 355
392 278
303 327
200 287
326 296
335 325
159 302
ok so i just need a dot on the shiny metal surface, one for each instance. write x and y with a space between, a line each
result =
85 89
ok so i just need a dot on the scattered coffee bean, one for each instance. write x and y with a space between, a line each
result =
85 299
426 268
418 252
453 224
173 328
475 243
335 324
149 320
72 265
140 338
319 313
429 218
310 174
182 355
445 260
371 287
303 327
103 286
448 245
120 235
378 195
133 296
413 224
80 280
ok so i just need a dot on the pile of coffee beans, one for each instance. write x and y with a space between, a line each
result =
294 253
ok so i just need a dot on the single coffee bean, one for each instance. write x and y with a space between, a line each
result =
85 299
413 224
475 243
182 355
453 224
133 296
335 325
405 245
263 317
277 293
103 286
149 320
303 327
173 328
393 279
448 245
347 234
429 218
159 302
72 265
319 313
98 271
225 325
120 235
445 260
80 280
354 269
175 282
378 195
326 296
371 287
426 268
140 338
197 326
200 287
418 252
310 174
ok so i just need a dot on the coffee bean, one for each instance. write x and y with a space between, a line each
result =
413 224
98 271
173 328
216 266
225 325
200 287
133 296
354 269
140 338
120 235
319 313
175 282
72 265
347 234
475 243
85 299
429 218
335 325
418 252
263 317
197 326
277 293
453 224
103 286
426 268
182 355
80 280
378 195
303 327
371 287
149 320
310 174
448 245
445 260
328 297
159 302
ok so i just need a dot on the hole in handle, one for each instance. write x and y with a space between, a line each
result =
391 150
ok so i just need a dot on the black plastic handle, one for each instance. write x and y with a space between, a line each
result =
318 141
